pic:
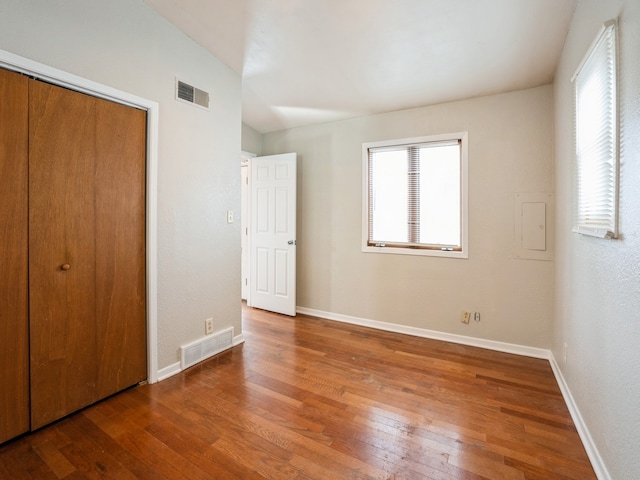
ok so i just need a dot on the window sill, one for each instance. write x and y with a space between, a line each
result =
423 252
595 232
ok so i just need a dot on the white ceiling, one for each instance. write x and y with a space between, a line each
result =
313 61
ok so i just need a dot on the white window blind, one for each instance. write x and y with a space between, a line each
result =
596 137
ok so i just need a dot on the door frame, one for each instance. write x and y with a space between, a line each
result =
245 218
16 63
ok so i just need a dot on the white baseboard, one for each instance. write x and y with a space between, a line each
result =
169 371
238 339
587 441
174 368
432 334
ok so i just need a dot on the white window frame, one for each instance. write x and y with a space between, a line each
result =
596 209
462 137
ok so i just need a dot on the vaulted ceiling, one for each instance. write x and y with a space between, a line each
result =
313 61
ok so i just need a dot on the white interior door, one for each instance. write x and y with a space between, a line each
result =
272 236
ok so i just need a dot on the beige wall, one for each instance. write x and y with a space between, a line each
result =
126 45
597 307
510 150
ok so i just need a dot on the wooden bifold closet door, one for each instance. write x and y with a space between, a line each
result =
14 319
86 250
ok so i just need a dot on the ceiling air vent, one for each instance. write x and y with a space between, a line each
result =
191 94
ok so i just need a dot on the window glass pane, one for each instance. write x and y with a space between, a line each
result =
389 196
440 195
593 112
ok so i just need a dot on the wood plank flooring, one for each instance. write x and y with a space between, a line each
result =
308 398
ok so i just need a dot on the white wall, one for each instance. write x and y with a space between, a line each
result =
251 140
597 302
510 150
124 44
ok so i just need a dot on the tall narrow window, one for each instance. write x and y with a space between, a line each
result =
596 136
415 196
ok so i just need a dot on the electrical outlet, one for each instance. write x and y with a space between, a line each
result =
208 326
466 316
229 216
476 316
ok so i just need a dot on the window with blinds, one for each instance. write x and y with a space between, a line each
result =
415 196
596 138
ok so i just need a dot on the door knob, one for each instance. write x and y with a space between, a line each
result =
291 242
66 267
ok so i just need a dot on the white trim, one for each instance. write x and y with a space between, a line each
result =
612 22
169 371
245 221
432 334
587 441
238 339
594 232
52 75
174 368
246 155
152 242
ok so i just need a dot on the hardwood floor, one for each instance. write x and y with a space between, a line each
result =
307 398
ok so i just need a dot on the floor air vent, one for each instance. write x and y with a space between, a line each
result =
191 94
205 347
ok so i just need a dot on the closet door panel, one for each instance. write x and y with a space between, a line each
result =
14 321
120 246
61 251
